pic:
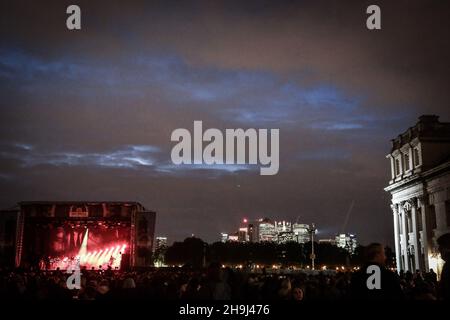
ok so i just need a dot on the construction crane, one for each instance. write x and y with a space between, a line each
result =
347 216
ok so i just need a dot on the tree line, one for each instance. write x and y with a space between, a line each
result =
196 253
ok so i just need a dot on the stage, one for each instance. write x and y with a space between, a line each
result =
93 235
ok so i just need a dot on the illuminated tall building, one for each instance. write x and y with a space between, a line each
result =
266 230
347 241
283 226
252 233
328 241
160 251
223 237
284 231
301 232
242 234
248 232
420 190
283 237
160 242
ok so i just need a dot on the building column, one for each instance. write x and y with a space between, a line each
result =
404 239
417 254
396 238
440 211
411 157
392 166
424 239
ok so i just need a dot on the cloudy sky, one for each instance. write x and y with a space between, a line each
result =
87 115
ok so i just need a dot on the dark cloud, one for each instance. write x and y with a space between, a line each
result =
88 114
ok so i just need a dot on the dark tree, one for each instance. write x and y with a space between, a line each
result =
189 252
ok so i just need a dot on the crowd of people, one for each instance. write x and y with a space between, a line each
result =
214 283
218 283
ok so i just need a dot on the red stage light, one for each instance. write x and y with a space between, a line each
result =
98 259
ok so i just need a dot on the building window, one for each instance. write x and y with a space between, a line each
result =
447 212
406 158
433 218
397 167
416 157
419 222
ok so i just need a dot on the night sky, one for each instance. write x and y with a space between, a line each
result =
87 115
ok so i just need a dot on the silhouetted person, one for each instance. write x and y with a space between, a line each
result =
191 291
390 288
431 276
213 286
444 285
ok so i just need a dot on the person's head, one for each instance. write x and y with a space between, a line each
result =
444 246
286 284
63 284
285 288
214 271
129 283
375 254
90 293
298 294
103 288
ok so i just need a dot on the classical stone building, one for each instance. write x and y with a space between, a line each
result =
420 189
